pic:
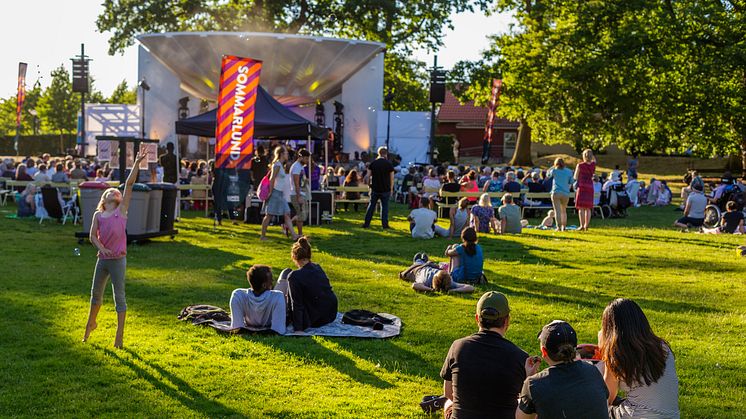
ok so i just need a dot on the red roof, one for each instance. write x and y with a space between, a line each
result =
453 111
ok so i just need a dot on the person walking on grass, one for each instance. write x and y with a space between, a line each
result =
277 203
561 180
296 191
381 177
109 235
584 192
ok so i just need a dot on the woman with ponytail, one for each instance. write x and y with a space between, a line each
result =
109 235
467 260
637 362
312 302
569 388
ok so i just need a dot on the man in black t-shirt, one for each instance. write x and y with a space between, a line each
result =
568 388
451 186
381 175
483 372
169 164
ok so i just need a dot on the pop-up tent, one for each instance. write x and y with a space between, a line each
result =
271 119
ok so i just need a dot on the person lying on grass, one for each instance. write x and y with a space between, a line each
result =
260 306
429 277
311 300
731 222
108 233
467 260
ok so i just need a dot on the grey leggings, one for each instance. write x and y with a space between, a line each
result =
104 269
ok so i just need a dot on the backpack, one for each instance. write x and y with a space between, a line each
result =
365 318
263 191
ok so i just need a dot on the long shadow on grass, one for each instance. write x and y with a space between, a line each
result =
553 293
310 350
183 393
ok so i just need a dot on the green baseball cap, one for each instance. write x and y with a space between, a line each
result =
497 302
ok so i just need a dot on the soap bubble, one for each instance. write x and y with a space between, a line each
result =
76 251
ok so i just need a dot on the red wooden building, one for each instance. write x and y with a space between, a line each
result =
466 123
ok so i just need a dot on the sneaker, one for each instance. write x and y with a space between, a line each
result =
431 404
365 226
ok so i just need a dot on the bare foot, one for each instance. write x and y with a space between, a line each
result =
262 238
90 327
118 342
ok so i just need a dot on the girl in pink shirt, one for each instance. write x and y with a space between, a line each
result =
109 235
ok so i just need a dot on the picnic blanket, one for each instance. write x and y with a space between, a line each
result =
333 329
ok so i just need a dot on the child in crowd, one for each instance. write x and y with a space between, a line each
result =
467 259
730 223
260 306
548 221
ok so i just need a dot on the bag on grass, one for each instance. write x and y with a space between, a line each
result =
263 191
365 318
203 313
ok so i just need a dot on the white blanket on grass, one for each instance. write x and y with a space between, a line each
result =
334 329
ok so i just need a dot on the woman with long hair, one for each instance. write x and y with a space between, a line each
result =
352 179
483 215
459 216
638 362
312 302
584 191
469 184
467 259
561 181
109 235
277 203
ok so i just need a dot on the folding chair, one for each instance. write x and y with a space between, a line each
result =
56 207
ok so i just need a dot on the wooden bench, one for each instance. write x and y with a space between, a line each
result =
195 187
458 195
538 196
364 199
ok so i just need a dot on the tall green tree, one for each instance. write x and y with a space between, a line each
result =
402 26
123 94
647 75
58 105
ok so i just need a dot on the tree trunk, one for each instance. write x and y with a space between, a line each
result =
522 153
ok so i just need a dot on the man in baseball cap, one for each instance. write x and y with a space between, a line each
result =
569 388
483 373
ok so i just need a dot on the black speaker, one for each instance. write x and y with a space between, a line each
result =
325 204
437 93
253 212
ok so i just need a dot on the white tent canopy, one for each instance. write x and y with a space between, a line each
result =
409 137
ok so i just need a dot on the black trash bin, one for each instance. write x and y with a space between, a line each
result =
168 204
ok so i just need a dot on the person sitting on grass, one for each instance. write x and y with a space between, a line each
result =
483 215
694 210
311 300
27 202
638 362
422 222
459 216
483 373
259 306
467 259
730 223
569 388
548 221
510 216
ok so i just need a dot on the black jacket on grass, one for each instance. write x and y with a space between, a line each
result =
312 302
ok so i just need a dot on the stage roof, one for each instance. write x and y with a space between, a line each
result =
297 69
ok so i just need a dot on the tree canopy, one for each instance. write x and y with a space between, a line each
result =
402 26
648 75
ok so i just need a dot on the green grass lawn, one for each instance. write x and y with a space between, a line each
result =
692 288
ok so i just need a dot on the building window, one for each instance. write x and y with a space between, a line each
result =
509 140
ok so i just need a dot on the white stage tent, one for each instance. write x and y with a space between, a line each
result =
410 134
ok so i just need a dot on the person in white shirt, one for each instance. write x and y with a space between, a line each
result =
423 221
694 211
260 306
431 185
633 189
42 175
296 189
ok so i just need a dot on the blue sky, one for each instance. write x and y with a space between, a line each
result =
47 33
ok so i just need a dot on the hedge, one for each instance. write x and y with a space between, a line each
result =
36 145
